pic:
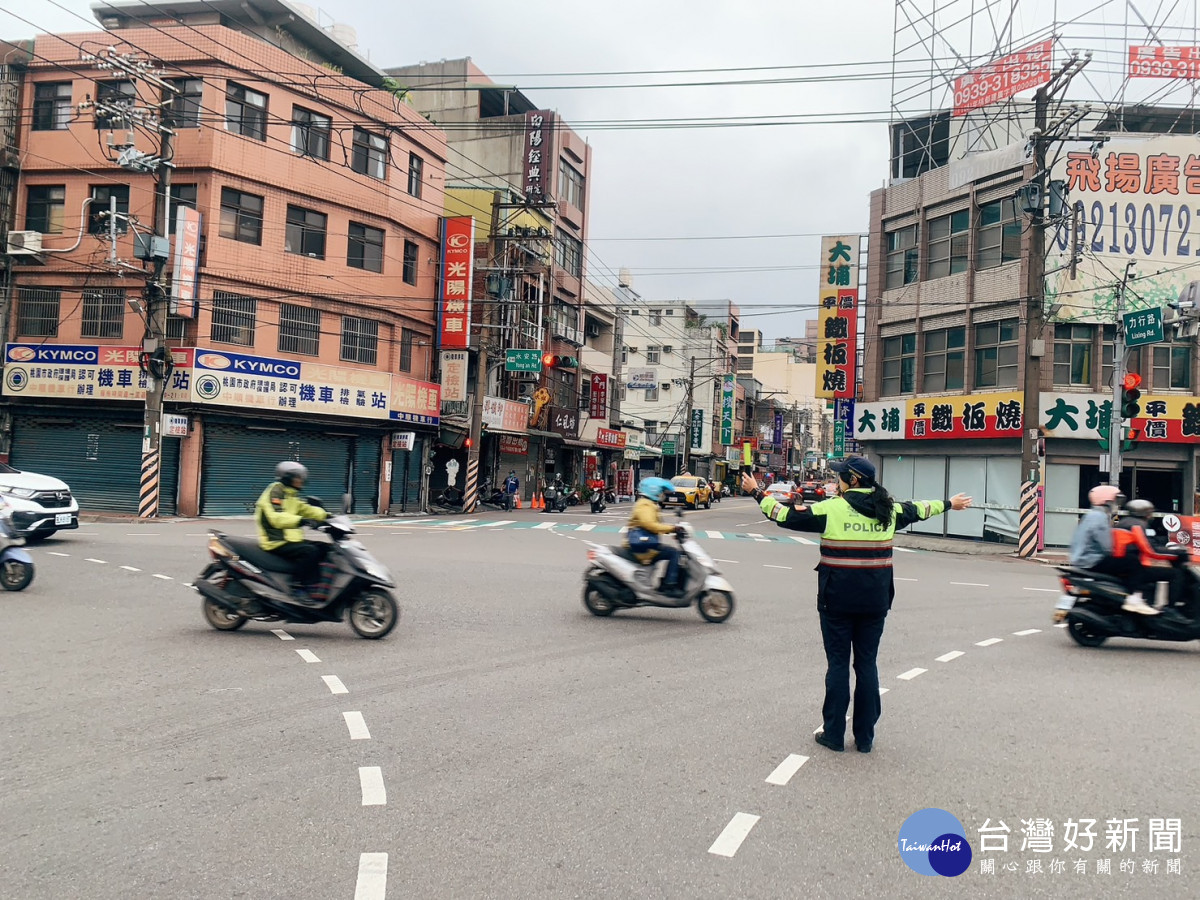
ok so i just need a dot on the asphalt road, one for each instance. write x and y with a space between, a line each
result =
519 747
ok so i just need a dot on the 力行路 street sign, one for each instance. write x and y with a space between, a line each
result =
1145 326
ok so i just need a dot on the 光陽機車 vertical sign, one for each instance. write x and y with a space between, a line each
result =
458 251
837 317
187 255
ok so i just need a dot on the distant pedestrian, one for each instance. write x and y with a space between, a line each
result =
854 585
512 485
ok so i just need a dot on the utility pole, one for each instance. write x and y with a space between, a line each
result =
1116 421
1035 197
471 488
687 419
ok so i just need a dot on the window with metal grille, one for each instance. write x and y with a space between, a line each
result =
901 257
406 345
364 248
899 364
245 112
45 206
241 216
103 313
416 169
410 262
948 236
360 340
305 232
996 354
233 318
570 184
116 99
37 311
181 107
999 238
568 253
945 359
369 154
653 355
100 210
177 329
299 329
1073 354
52 106
310 133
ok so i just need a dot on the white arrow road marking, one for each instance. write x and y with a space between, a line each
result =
372 877
308 656
1027 631
988 642
785 770
911 674
334 684
373 791
735 832
281 634
357 726
953 654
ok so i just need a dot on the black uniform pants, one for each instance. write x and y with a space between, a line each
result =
843 633
305 557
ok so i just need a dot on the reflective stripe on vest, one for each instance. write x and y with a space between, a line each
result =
852 540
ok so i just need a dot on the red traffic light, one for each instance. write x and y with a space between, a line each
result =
1132 382
548 360
468 442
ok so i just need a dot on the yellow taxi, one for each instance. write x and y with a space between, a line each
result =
689 491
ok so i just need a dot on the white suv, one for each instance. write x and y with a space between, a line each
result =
41 505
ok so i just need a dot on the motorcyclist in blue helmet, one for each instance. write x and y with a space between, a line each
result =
645 528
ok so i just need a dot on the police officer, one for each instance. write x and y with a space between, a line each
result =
854 584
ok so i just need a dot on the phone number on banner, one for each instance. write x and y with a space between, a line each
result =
1137 229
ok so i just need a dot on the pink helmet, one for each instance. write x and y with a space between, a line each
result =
1103 494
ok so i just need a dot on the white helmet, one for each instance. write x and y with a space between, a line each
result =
291 473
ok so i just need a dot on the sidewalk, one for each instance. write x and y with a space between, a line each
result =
970 547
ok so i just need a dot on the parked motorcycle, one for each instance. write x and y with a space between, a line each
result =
449 497
245 582
555 497
573 498
1091 605
16 565
614 579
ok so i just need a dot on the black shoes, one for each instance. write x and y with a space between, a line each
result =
828 743
863 748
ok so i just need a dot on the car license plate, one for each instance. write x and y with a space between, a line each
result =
62 519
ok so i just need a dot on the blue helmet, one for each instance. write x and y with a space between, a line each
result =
654 488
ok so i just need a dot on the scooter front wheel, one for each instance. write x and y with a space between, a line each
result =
373 614
595 601
15 575
715 606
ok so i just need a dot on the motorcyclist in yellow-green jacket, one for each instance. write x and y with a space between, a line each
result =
280 513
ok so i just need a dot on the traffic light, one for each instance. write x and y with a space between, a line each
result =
1130 395
550 361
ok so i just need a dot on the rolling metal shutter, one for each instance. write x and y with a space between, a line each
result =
240 460
406 478
366 474
99 457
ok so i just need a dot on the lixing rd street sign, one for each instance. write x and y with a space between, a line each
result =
1143 327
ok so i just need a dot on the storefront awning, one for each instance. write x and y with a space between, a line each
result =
544 434
586 445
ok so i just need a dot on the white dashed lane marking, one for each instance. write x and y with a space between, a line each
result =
735 561
373 791
953 654
372 877
1027 631
988 642
898 578
1061 625
883 691
56 553
357 726
101 561
164 577
130 569
728 842
911 674
1044 590
769 566
802 540
281 634
334 684
968 584
308 656
785 770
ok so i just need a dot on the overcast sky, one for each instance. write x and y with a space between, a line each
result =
803 180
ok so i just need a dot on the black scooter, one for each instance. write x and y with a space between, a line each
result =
556 498
245 582
1094 614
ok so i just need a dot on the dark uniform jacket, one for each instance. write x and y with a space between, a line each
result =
855 571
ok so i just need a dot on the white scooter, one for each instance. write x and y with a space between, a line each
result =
614 580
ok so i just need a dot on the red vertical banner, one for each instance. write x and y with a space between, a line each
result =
458 253
598 407
837 318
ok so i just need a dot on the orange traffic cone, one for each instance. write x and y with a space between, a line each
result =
540 501
518 499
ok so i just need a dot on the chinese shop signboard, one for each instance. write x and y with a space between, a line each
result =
458 251
1164 62
607 437
88 371
598 399
187 255
837 317
1165 418
728 387
505 415
940 418
537 154
1004 77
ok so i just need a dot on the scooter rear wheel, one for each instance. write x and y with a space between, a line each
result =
1083 634
221 618
715 606
595 601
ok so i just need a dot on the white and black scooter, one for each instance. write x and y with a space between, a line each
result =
614 579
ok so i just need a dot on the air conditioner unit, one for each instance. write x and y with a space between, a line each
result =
526 389
667 348
593 330
632 349
24 243
666 385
